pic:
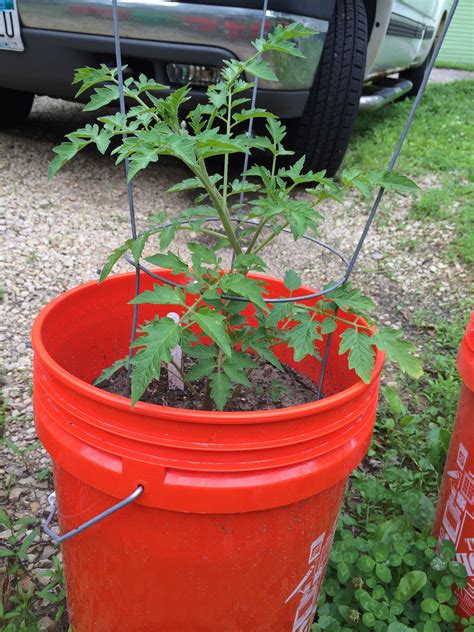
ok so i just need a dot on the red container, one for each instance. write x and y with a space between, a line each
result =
454 519
234 527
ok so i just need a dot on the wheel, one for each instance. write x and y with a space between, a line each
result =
415 75
15 107
324 130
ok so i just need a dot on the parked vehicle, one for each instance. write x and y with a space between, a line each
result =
360 42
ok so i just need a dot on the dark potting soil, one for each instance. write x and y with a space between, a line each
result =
297 390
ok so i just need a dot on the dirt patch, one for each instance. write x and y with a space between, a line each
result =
270 388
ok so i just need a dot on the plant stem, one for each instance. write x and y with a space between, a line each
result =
270 238
187 383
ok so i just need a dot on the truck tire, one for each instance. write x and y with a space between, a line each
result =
324 130
15 107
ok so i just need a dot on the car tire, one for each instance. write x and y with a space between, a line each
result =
15 106
324 130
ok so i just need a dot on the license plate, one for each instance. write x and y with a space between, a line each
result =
10 35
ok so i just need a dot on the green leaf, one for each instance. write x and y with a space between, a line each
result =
140 160
242 285
169 261
393 181
343 572
4 552
113 258
261 69
235 372
302 337
365 564
328 326
361 354
447 613
90 77
202 255
246 262
102 97
292 281
350 299
201 369
160 295
245 115
159 338
193 183
429 605
443 593
213 325
221 389
277 313
110 370
65 151
410 584
383 573
398 350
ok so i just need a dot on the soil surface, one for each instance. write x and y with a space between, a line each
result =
270 388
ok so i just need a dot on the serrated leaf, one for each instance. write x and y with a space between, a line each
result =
201 369
328 326
361 354
235 366
278 313
213 325
302 337
102 97
221 389
245 115
292 281
113 258
65 151
350 299
398 350
170 261
261 69
242 285
159 338
393 181
110 370
160 295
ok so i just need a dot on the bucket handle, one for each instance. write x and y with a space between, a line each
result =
62 538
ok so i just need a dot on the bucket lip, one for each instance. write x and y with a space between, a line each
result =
184 414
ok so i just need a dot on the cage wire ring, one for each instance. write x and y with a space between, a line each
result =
293 299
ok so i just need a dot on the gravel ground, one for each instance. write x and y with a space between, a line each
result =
58 234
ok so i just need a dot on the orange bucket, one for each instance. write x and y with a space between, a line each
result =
234 526
454 518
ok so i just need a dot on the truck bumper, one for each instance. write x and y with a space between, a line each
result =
46 66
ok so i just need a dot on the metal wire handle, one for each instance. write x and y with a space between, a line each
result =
104 514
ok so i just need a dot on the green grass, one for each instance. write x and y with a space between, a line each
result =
455 66
439 143
440 139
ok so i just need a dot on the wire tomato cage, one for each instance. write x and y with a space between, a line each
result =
349 263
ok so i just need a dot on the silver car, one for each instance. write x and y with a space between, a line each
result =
359 43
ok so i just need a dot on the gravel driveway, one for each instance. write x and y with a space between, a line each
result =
57 234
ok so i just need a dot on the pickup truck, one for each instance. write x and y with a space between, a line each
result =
349 65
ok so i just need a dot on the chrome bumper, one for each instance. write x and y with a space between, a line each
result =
229 28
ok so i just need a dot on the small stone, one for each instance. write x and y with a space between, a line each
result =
35 507
15 493
377 256
46 624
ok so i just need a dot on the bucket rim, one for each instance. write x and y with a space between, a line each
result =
119 402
